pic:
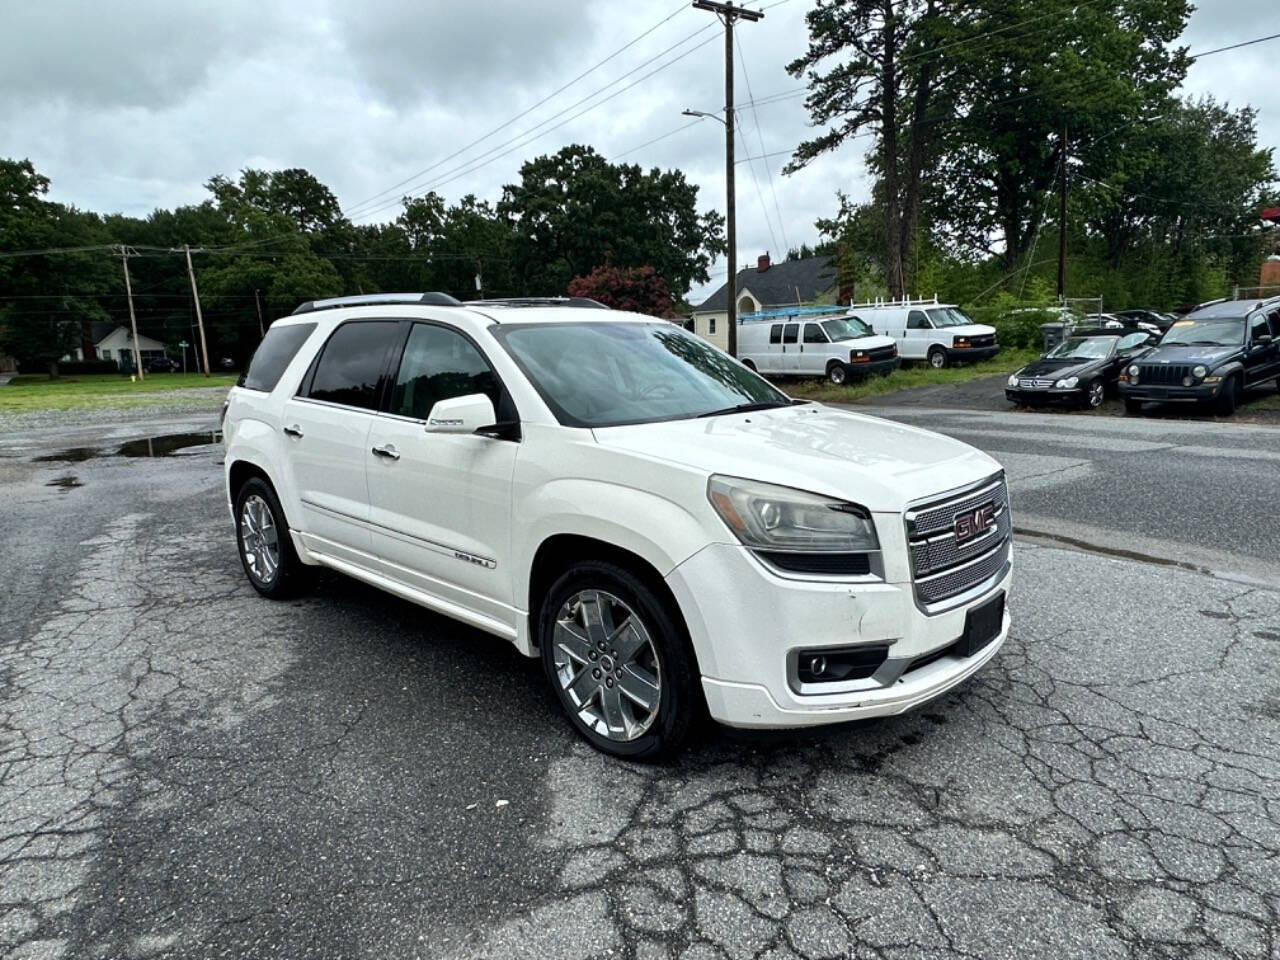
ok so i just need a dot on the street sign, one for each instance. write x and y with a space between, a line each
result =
183 344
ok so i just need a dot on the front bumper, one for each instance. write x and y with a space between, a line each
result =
1170 394
878 367
747 622
972 354
1049 397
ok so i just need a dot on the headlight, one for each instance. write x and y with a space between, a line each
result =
1133 370
1013 379
1199 371
1067 384
770 517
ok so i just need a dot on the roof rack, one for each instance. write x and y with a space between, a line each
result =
433 299
799 310
538 302
908 302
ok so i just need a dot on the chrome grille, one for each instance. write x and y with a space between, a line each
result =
1029 384
942 568
1163 372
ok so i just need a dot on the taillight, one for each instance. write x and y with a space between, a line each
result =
222 417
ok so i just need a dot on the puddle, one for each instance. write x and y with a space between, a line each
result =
161 446
65 483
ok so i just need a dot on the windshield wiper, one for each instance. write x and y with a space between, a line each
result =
745 408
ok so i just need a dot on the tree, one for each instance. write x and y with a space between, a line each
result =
638 289
574 211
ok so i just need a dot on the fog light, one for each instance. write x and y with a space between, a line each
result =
817 666
833 664
1188 381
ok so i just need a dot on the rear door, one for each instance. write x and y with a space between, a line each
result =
440 504
326 427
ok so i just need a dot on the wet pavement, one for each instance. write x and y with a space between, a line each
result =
188 770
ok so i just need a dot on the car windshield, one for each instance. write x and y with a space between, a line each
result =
949 317
1082 348
846 328
1216 332
595 374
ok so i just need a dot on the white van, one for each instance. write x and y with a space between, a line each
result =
940 333
833 346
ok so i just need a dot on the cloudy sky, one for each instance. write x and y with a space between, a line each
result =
131 106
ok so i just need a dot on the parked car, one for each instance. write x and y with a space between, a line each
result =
163 365
839 348
605 491
1161 321
226 363
939 333
1080 371
1212 355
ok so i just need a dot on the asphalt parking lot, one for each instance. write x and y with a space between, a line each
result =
187 770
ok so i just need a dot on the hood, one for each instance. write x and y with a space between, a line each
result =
969 330
876 463
872 341
1058 368
1191 353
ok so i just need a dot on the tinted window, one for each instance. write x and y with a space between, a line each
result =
1275 323
916 320
278 347
352 362
1258 328
790 333
775 333
439 364
813 334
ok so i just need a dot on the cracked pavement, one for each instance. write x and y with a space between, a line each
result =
187 770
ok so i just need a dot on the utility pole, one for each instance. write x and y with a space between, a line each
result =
728 14
262 331
204 346
133 319
1062 218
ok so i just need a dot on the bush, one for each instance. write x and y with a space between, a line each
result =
1017 322
72 367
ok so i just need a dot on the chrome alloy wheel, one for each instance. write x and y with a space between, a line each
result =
260 538
1097 393
607 665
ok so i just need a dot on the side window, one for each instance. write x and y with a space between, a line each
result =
711 326
439 364
775 333
1132 341
277 348
916 320
813 334
790 333
1258 328
350 368
1275 324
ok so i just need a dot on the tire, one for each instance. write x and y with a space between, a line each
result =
837 374
938 358
588 675
258 509
1094 395
1132 406
750 366
1229 397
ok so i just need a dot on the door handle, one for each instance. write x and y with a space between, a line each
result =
389 452
293 431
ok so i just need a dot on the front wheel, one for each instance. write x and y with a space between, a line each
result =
837 374
617 661
937 358
1229 397
1095 394
750 365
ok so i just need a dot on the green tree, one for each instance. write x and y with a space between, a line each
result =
574 211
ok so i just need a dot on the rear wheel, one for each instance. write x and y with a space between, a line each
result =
262 536
617 661
937 358
1229 397
1132 406
1095 394
837 374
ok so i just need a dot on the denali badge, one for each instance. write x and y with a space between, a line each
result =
972 523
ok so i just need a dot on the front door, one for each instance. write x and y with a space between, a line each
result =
440 504
815 351
326 430
919 334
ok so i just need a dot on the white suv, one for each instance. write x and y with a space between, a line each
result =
660 525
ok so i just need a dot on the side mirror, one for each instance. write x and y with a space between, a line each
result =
465 414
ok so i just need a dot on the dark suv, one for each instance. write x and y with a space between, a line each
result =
1213 354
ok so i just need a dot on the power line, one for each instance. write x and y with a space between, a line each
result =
1235 46
661 136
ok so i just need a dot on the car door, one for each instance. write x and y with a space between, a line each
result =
772 359
815 351
790 362
326 429
1259 354
440 504
919 334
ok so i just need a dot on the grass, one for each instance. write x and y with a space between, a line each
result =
36 392
907 376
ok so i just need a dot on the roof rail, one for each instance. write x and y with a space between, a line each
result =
538 302
433 299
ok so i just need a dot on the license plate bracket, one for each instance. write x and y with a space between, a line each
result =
981 626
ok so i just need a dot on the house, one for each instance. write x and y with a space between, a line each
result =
114 342
763 287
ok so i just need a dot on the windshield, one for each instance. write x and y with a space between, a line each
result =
1082 348
949 317
846 328
595 374
1218 332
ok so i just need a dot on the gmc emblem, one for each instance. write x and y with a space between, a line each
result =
973 523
